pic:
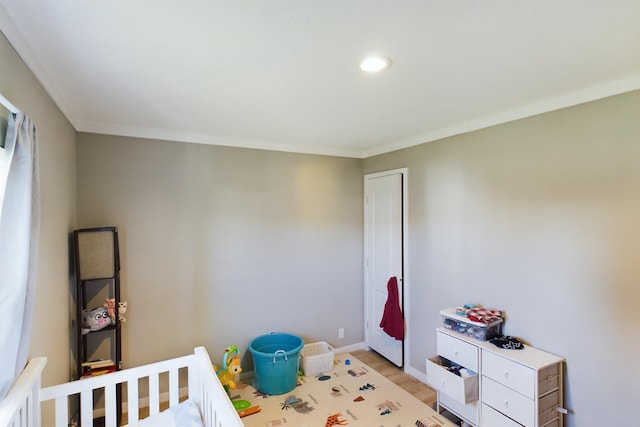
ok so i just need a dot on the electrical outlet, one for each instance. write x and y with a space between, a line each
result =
340 333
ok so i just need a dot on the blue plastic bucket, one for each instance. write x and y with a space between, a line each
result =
276 358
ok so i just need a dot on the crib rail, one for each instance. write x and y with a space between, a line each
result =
21 406
216 407
128 378
203 387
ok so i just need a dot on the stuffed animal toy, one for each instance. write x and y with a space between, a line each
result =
230 368
122 308
110 305
94 319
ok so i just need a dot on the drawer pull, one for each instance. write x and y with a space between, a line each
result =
506 374
506 403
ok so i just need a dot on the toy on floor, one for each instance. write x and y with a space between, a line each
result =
227 375
249 411
230 368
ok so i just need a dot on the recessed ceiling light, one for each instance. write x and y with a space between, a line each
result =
375 63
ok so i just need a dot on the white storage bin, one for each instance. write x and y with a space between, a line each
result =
316 358
468 327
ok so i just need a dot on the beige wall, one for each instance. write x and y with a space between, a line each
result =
541 218
57 157
220 245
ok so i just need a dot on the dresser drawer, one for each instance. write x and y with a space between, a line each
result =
464 390
505 400
492 418
458 351
468 412
509 373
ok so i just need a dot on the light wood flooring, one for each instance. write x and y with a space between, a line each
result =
407 382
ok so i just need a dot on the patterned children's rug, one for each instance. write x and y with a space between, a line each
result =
352 395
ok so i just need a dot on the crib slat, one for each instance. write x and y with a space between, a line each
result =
20 418
209 414
62 411
23 415
110 409
28 412
132 402
174 387
35 400
86 407
154 394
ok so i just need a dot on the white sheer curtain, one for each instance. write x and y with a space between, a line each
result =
19 235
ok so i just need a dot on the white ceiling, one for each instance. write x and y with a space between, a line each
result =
283 74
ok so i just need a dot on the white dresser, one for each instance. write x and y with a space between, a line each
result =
510 388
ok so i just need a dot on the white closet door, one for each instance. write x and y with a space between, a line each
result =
383 257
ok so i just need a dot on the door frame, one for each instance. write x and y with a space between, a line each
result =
404 281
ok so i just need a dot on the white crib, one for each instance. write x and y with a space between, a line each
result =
22 405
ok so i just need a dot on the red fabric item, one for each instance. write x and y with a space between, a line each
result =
484 315
392 319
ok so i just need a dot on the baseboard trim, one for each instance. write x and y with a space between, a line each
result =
349 348
420 376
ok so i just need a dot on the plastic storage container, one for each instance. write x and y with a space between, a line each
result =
316 358
462 324
276 360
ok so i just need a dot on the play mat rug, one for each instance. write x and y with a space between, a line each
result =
352 395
